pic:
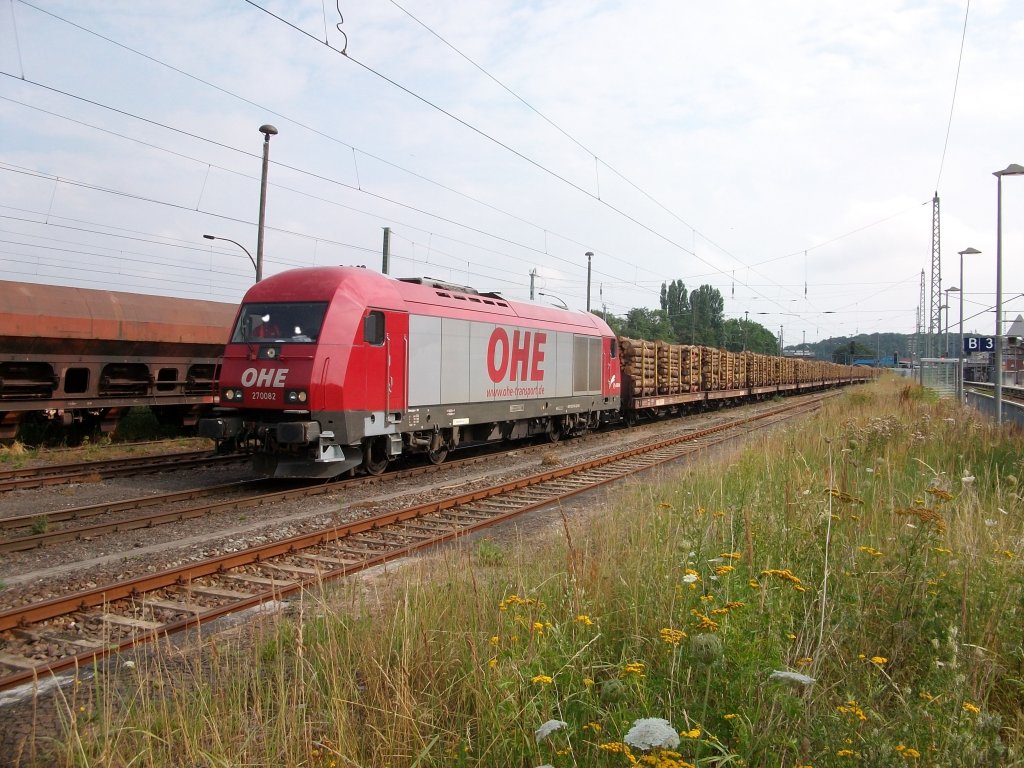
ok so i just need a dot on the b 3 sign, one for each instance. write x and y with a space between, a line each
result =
979 344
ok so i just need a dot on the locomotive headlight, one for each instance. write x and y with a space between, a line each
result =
296 396
233 394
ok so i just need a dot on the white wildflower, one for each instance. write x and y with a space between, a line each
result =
967 479
791 677
129 665
548 728
689 578
870 470
990 522
651 732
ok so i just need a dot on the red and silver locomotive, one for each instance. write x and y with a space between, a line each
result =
332 368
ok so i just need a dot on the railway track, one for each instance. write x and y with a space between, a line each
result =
57 474
80 628
51 527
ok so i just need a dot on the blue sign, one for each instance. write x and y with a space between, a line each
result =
979 344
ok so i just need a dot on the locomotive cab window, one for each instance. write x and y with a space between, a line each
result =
373 328
284 322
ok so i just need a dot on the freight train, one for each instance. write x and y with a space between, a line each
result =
76 356
334 369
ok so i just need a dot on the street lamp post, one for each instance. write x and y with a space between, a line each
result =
1013 169
267 131
229 240
552 296
589 255
960 354
951 289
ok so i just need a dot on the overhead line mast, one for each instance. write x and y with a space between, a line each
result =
935 317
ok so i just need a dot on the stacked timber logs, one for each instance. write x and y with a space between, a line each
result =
678 368
639 367
662 369
711 378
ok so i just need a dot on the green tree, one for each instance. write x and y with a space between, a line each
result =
675 302
707 323
751 336
649 324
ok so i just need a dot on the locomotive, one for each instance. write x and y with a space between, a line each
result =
329 369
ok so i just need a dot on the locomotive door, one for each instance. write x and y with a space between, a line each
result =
386 352
612 384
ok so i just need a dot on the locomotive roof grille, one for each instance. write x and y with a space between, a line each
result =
448 290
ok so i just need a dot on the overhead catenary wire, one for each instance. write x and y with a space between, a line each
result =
625 282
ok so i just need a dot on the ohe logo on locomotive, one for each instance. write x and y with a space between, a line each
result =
264 377
518 359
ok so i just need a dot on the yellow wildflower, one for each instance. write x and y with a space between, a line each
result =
805 660
584 620
595 727
908 753
852 709
879 660
693 733
494 639
733 605
870 551
492 663
637 668
972 708
846 753
730 716
588 681
671 636
542 679
731 555
754 584
722 570
538 627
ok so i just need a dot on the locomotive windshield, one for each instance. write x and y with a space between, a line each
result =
292 322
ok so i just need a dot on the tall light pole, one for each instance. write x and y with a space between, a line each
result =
589 255
267 131
552 296
229 240
1011 170
951 289
960 354
945 344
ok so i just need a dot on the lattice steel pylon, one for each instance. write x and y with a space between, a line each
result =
922 308
935 316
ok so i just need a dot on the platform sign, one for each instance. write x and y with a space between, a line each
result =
979 344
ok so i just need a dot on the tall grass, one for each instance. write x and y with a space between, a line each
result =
844 592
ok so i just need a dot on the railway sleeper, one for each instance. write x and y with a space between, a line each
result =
17 662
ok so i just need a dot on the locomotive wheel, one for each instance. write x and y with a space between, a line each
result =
438 456
554 433
375 456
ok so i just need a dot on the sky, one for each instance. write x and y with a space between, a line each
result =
786 153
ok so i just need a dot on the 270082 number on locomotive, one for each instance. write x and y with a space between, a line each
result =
329 369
